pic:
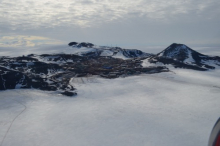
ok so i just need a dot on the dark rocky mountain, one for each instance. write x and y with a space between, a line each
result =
180 55
53 72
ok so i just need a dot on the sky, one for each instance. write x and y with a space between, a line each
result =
124 23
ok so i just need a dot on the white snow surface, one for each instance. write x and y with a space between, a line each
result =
79 51
177 108
120 55
190 58
107 53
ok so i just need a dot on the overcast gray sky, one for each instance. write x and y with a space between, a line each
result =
125 23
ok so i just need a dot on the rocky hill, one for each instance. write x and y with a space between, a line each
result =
180 55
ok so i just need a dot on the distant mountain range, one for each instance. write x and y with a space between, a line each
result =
89 49
53 72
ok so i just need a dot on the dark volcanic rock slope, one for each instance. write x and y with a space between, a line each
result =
29 72
179 55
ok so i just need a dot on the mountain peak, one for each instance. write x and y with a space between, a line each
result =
177 46
177 51
180 53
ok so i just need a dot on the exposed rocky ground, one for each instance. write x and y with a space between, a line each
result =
53 72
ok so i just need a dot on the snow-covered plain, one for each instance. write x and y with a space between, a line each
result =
169 109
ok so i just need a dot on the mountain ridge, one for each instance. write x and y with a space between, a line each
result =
89 49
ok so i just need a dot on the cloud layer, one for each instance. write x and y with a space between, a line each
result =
25 41
29 14
126 23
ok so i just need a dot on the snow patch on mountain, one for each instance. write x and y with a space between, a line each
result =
190 58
